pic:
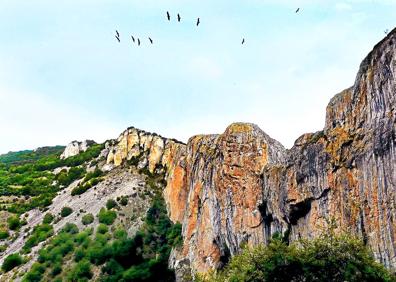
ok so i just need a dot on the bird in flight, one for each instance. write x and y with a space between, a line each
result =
138 41
298 10
178 18
133 39
118 38
243 41
168 16
151 41
198 22
118 34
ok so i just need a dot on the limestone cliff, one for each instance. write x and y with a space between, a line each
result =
240 187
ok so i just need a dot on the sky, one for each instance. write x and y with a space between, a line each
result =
64 76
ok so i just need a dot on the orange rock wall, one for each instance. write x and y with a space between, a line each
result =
241 187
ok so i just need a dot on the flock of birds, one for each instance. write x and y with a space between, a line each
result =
168 16
137 40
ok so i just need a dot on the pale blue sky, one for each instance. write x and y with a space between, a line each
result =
63 76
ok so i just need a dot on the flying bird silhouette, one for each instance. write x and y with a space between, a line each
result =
178 18
243 41
151 41
118 35
298 10
168 16
138 42
198 22
118 38
133 39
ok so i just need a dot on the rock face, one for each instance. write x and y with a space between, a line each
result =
225 199
144 149
76 147
240 187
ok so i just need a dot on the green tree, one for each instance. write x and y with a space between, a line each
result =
111 204
123 201
11 261
80 272
66 211
13 222
87 219
329 257
48 218
4 234
107 217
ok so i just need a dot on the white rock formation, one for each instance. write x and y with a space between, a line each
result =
76 147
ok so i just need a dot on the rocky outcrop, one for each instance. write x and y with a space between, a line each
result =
225 193
76 147
143 149
240 187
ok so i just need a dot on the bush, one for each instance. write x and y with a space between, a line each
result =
35 273
124 201
66 211
70 228
3 248
87 219
79 255
83 187
57 269
80 189
95 174
48 218
13 222
4 234
40 233
11 261
102 229
111 204
65 177
107 217
81 271
328 258
120 234
136 274
174 235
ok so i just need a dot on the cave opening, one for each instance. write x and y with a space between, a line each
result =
267 218
299 210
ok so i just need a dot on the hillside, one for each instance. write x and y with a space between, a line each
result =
146 208
71 214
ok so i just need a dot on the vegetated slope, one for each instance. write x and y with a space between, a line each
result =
49 204
29 156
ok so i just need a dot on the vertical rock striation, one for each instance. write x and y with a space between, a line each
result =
240 187
243 186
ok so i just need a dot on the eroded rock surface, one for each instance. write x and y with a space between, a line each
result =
76 147
242 186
